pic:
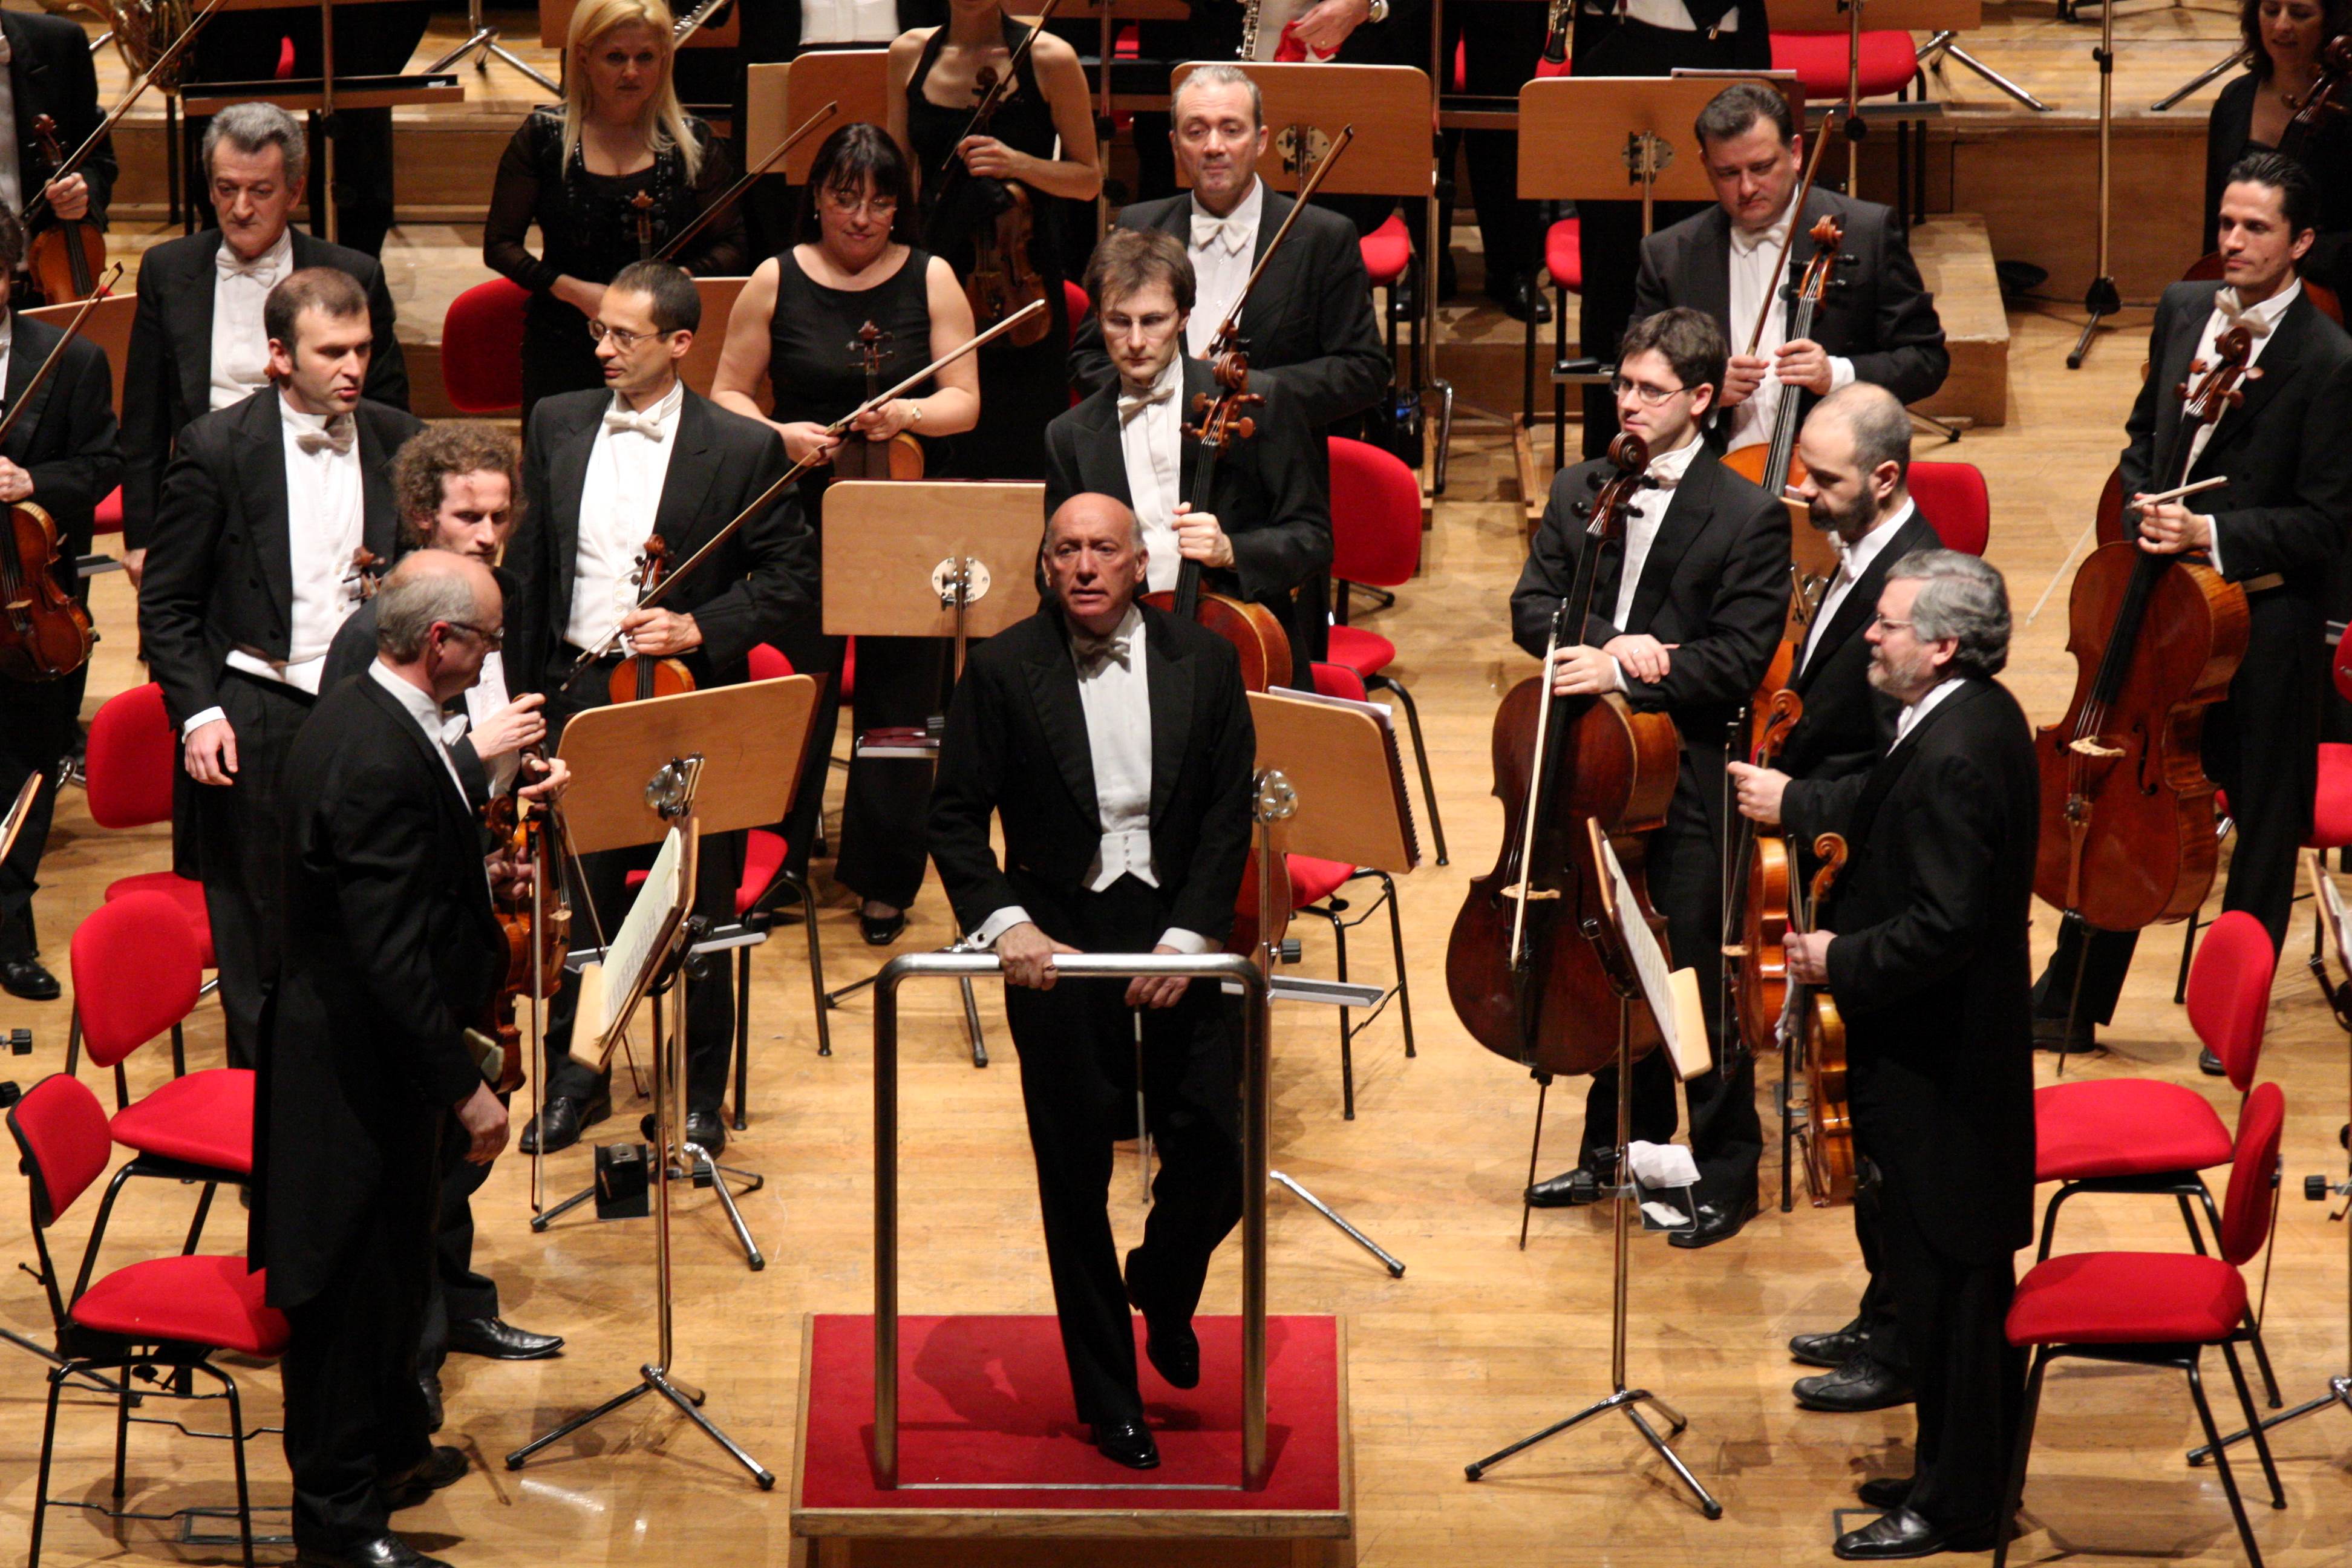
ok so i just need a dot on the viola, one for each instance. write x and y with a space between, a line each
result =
640 676
45 632
1760 890
65 259
1810 1025
899 457
1531 968
2126 818
538 934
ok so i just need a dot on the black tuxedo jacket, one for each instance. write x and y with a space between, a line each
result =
354 649
1716 583
746 593
392 948
49 72
1015 747
168 382
1848 722
1876 313
1308 327
1930 968
1265 494
220 572
66 442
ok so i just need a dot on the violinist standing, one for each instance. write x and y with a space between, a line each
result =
50 72
1683 621
62 457
791 341
253 570
1037 156
1264 530
1924 946
2276 529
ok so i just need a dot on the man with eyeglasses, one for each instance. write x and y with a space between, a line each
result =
254 565
1684 616
602 471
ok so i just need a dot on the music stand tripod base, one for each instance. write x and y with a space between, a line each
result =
689 1400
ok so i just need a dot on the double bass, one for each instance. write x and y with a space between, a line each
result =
45 632
1528 966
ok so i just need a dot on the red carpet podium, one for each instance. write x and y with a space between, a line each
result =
994 1467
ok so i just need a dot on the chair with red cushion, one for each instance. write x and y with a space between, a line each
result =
1953 499
1888 65
1387 253
2159 1308
155 1322
131 762
1077 305
481 347
135 977
2331 829
1376 540
1563 255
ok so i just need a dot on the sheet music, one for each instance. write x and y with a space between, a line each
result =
1673 994
608 988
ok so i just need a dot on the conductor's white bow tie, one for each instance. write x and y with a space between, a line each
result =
1093 653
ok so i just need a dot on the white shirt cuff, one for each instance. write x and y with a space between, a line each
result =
200 720
501 770
1840 372
997 924
2214 544
1618 665
1190 943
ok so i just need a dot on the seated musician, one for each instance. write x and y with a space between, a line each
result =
62 457
53 75
601 471
198 344
1684 620
575 172
1856 450
1264 529
2283 40
1924 948
1101 856
2274 529
1878 325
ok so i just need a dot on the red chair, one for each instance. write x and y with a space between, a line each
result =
1953 499
132 761
135 977
1564 263
1077 305
1889 64
2158 1309
2331 829
1376 540
155 1321
485 375
1388 257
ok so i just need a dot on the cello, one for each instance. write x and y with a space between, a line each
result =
44 631
1002 277
1773 464
1810 1026
1527 968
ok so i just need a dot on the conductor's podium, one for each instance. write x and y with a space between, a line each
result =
995 1468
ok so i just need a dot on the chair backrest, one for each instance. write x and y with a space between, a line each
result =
1953 499
136 972
1338 681
481 347
61 1137
767 664
1375 515
133 758
700 369
2246 1211
2229 992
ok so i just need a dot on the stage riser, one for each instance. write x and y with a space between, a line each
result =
1128 1553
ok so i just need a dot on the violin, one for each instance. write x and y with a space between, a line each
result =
642 203
640 676
2126 818
899 457
1531 967
1810 1024
536 937
1002 277
365 576
44 631
64 260
1760 894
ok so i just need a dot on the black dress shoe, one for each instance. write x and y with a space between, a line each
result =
1862 1383
1129 1443
1902 1533
1572 1188
881 930
1169 1343
443 1467
25 977
429 1385
1830 1350
704 1130
2049 1033
1887 1493
500 1341
2210 1064
1716 1222
1519 297
566 1119
385 1550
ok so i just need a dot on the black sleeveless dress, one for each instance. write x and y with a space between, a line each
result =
1020 389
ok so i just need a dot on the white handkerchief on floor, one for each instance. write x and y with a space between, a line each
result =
1659 1165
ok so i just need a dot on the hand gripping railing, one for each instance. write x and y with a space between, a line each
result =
1219 967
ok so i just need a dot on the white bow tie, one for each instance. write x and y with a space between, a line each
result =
337 437
2236 315
1093 653
1666 479
1132 404
649 425
262 269
1227 231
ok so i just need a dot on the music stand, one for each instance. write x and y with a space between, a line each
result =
482 42
858 80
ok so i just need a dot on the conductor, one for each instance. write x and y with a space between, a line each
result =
1115 742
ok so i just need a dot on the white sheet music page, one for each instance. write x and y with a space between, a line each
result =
1673 994
608 988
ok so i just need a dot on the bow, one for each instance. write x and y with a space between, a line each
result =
649 425
2236 315
452 732
1093 653
1132 404
337 436
1227 231
263 270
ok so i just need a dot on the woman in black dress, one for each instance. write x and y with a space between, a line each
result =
579 172
2285 37
790 336
1042 138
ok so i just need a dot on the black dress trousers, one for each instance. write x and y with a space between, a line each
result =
36 722
240 847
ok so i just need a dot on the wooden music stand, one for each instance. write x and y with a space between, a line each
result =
555 26
859 80
751 738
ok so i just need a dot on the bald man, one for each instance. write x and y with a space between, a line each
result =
1114 742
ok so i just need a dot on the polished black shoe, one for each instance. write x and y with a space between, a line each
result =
1715 1222
385 1550
429 1385
1830 1350
881 930
1887 1493
1169 1345
2049 1033
704 1130
2210 1064
444 1466
1862 1383
1572 1188
500 1341
1519 297
1902 1533
25 977
566 1119
1129 1443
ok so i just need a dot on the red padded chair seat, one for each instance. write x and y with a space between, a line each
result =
1564 254
1366 653
184 891
205 1299
2127 1297
763 856
2124 1127
205 1118
2331 813
108 517
1889 61
1387 251
1313 880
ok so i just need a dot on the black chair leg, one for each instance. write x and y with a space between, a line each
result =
121 1439
2188 1218
1347 1035
2004 1528
1421 754
179 1052
2187 951
58 1375
1396 939
742 1035
236 1455
2253 1428
73 1041
2222 1464
801 890
196 1225
2050 1221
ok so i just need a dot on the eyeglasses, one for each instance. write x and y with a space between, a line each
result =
492 640
1883 624
626 341
1649 396
846 202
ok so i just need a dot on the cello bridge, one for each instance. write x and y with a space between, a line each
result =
2091 746
1518 891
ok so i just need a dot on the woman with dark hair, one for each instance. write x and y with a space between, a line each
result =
2283 39
793 336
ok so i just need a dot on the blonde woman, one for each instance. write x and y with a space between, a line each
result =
578 173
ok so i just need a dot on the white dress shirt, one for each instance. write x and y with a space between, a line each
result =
240 342
1758 277
849 22
626 470
1117 697
2261 320
1222 251
1643 519
1667 13
1908 720
1151 441
12 179
7 333
485 696
421 707
1854 560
